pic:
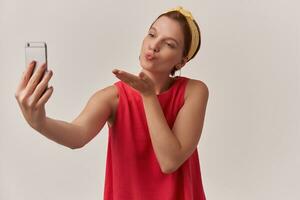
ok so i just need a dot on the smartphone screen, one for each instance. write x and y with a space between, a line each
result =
35 51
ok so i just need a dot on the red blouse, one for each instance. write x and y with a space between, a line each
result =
132 169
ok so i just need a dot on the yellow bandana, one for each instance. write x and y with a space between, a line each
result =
195 33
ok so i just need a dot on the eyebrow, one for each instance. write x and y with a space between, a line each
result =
152 27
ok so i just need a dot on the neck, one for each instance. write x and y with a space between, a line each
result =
162 82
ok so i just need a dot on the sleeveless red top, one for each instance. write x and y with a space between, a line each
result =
132 170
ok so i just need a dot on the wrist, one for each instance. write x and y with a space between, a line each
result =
41 126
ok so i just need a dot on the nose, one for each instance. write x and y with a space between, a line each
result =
154 45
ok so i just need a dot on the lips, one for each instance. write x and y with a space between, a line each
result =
149 56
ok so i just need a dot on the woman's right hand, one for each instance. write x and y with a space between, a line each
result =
32 94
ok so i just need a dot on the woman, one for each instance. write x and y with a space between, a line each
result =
155 120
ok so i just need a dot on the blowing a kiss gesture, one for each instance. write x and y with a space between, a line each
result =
142 82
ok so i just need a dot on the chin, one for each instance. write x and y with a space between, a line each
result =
150 68
146 65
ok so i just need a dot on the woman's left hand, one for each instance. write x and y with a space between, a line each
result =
142 82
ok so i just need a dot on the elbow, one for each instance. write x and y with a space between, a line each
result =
169 166
76 146
73 147
169 169
79 143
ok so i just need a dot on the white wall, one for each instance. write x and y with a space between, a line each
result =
249 59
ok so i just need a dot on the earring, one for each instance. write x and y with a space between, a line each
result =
179 72
175 69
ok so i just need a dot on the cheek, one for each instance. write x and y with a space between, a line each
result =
173 56
144 43
173 59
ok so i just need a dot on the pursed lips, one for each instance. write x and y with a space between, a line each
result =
149 56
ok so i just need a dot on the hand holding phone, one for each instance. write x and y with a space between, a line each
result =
33 92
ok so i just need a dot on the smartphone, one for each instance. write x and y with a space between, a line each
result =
36 51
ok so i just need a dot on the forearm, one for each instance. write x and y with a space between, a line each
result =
64 133
165 143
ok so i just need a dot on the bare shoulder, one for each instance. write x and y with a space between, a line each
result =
110 90
109 94
196 87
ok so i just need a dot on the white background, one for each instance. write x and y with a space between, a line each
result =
249 59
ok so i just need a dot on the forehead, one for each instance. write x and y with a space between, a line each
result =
169 28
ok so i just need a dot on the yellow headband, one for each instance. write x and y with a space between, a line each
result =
193 28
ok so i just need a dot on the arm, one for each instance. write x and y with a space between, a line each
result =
84 127
32 94
173 147
96 113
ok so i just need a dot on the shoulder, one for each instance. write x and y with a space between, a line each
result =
108 94
196 88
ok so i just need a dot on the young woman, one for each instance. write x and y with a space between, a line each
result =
155 120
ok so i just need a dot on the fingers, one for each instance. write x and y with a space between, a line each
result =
26 76
125 76
35 79
38 92
45 97
115 71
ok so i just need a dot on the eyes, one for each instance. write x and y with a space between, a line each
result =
169 44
